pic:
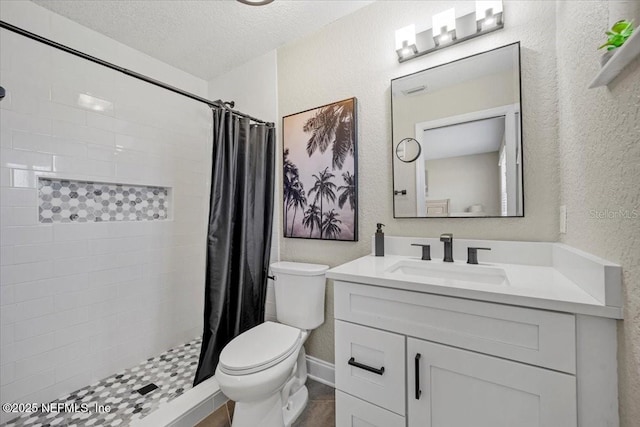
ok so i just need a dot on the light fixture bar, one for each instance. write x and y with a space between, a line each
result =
449 30
452 43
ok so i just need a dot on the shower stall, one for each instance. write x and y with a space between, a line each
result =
104 182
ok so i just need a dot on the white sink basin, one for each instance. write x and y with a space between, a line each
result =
450 272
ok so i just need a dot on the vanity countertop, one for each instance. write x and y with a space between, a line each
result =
536 286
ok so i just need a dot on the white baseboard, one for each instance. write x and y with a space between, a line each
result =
321 371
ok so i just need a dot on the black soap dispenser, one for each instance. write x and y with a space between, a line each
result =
379 240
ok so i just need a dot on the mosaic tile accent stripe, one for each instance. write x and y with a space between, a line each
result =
172 371
86 201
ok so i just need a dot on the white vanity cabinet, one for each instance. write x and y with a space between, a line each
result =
406 358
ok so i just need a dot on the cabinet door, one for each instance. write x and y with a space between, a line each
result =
459 388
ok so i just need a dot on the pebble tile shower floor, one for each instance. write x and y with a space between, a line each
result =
172 372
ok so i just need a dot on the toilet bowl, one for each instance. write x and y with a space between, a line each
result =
264 369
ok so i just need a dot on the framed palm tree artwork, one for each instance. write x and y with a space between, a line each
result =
320 194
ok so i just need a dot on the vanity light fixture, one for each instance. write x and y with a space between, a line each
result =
448 30
444 26
488 14
406 41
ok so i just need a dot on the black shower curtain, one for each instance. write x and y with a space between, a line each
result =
239 235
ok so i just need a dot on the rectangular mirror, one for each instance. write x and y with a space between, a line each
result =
457 138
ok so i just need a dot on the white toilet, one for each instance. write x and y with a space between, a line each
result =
264 369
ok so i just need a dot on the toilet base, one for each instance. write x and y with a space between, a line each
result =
271 412
267 413
294 407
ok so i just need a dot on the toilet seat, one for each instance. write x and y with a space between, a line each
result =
259 348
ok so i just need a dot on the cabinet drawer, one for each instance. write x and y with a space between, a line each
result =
538 337
353 412
370 365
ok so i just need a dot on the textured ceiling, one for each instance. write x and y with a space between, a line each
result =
204 38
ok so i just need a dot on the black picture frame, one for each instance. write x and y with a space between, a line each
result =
320 172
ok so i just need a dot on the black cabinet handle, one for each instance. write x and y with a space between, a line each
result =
418 391
353 362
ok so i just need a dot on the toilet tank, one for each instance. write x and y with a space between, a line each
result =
300 292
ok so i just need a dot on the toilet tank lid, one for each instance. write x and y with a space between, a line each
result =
299 268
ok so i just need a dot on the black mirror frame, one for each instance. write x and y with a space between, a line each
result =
521 137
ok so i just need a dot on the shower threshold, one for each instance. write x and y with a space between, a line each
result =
129 398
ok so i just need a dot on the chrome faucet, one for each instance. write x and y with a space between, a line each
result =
447 238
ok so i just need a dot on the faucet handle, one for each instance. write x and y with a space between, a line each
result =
446 237
426 251
472 254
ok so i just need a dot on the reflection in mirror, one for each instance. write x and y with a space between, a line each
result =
408 150
465 118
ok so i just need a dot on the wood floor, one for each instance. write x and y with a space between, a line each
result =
320 410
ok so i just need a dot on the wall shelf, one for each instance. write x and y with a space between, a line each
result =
623 57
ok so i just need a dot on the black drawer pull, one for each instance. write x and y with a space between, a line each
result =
418 391
353 362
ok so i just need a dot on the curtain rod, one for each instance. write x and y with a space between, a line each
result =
212 104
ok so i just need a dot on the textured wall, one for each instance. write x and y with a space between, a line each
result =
355 56
253 87
599 148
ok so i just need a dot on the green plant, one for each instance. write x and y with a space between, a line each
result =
618 34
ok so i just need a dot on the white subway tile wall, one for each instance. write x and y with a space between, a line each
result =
81 301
